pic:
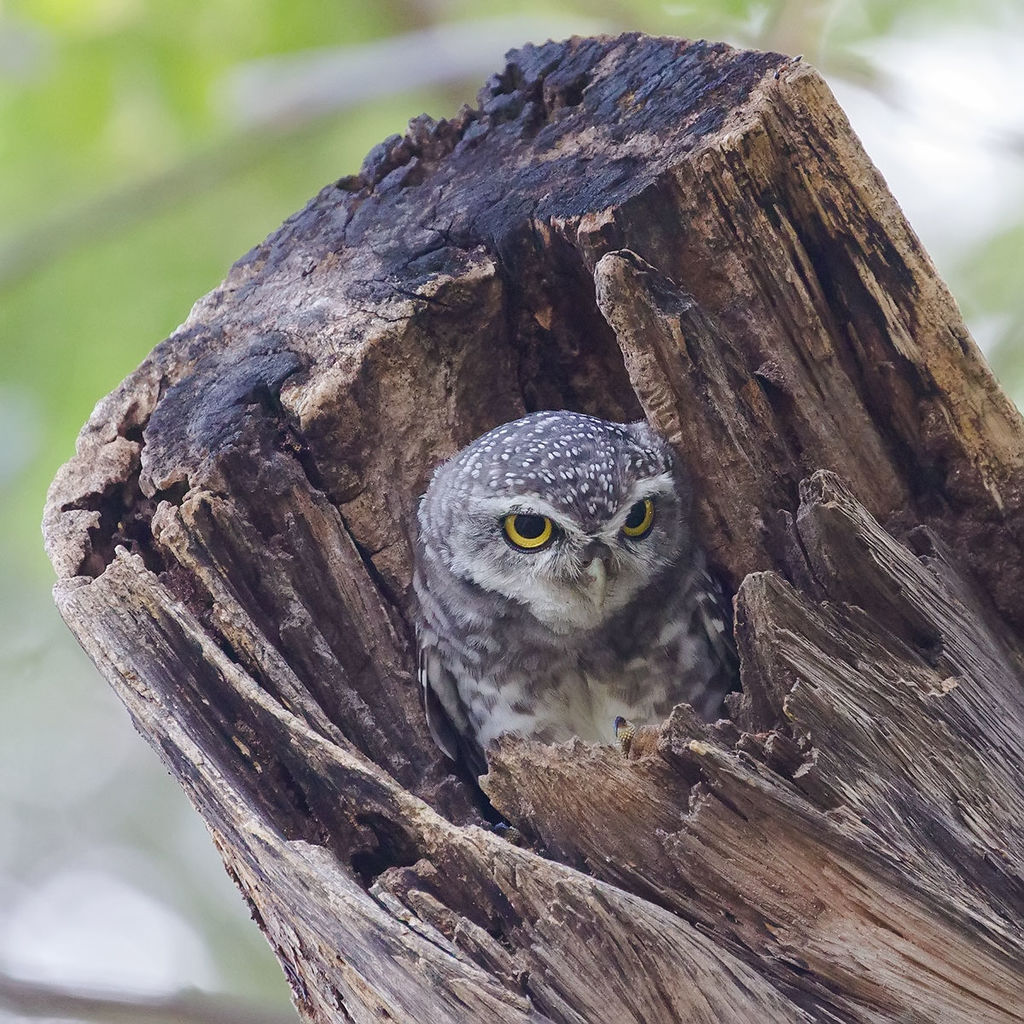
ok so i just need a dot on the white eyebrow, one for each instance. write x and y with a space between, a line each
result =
528 504
664 483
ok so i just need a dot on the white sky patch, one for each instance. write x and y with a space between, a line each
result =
87 928
949 137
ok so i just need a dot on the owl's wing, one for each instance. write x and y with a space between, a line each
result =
446 714
714 618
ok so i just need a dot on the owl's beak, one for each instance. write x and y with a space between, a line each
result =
596 557
596 576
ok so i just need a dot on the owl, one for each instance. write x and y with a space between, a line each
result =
559 588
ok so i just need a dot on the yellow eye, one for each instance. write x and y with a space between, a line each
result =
528 531
640 519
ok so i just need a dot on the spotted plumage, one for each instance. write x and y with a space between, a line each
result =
559 587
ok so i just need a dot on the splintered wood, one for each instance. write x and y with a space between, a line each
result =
630 227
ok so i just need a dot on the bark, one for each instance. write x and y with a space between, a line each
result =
628 227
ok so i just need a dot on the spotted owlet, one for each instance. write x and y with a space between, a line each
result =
559 587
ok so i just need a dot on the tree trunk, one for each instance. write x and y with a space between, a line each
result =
629 227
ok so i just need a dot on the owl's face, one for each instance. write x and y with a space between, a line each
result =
568 515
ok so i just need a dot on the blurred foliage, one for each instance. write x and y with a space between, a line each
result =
992 286
129 181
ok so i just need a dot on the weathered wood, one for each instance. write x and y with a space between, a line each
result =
625 226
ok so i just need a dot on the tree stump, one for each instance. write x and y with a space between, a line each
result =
629 227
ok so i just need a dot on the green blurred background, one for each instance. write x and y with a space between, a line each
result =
145 146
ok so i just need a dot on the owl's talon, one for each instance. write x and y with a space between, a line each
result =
625 730
509 832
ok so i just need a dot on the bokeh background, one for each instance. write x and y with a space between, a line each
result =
144 146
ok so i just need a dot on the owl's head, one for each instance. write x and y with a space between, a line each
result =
568 515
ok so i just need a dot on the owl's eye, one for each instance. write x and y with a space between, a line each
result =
527 531
640 519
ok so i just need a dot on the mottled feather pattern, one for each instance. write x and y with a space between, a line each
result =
558 641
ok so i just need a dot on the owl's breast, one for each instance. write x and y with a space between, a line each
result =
575 693
516 676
